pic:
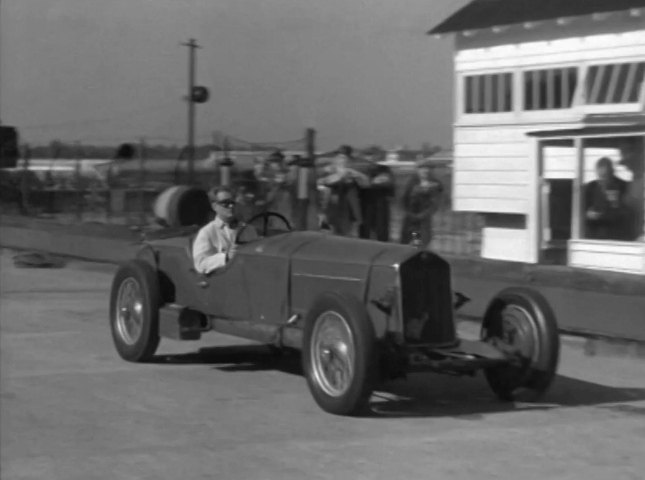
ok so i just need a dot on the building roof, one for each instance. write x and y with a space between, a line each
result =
480 14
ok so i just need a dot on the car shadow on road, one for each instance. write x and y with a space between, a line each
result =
470 398
427 394
238 358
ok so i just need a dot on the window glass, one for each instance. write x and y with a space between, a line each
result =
614 83
507 92
490 93
468 86
550 88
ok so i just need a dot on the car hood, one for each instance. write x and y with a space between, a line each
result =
325 247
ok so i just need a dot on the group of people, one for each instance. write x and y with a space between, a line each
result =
352 196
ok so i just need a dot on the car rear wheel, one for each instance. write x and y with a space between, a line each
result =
521 323
134 311
339 354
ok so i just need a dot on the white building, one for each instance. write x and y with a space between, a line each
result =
543 89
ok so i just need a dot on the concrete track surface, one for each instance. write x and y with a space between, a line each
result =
222 408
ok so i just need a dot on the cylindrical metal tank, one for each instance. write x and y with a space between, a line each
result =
181 206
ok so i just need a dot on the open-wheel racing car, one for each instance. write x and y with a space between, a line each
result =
360 311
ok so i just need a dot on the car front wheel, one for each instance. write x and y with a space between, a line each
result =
134 311
339 352
520 323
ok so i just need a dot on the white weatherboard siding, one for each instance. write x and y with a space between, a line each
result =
506 244
491 171
617 257
493 168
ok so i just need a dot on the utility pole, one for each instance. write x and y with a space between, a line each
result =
192 46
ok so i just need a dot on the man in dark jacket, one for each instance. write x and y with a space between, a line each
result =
606 208
375 202
421 200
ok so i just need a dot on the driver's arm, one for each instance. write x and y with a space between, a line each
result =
205 257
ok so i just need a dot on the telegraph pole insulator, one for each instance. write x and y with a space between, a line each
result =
199 94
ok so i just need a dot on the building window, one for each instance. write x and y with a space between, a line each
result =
614 83
491 93
549 89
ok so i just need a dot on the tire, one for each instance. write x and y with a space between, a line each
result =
354 352
135 331
521 322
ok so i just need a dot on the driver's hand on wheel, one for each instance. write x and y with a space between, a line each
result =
230 253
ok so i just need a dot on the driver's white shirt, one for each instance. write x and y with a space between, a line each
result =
213 242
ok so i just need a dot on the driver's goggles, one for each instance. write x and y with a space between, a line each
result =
226 203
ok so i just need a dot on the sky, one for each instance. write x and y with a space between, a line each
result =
105 71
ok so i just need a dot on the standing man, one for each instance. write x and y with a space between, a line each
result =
214 245
606 204
340 184
279 185
375 202
421 199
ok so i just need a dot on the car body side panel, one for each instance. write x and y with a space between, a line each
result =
383 290
227 290
310 278
266 278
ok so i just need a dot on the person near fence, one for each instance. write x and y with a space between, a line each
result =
375 201
278 186
421 200
340 189
251 188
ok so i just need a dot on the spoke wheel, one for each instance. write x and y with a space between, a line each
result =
332 353
339 354
134 311
129 311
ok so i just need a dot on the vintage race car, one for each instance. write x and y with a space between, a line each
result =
360 311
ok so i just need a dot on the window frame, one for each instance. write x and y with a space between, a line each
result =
491 89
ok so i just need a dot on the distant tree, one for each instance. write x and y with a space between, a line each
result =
375 151
428 149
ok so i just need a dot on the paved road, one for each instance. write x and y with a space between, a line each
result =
224 409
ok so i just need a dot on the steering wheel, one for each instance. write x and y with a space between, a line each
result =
265 216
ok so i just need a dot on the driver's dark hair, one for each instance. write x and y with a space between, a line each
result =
214 191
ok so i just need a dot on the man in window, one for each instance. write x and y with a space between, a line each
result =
214 245
605 204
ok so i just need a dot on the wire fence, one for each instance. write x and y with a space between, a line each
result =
122 191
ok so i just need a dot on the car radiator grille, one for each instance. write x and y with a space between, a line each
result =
426 300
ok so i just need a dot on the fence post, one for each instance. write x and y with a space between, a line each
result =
225 165
50 182
142 181
25 180
77 181
304 181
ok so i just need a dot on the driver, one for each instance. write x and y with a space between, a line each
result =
215 245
